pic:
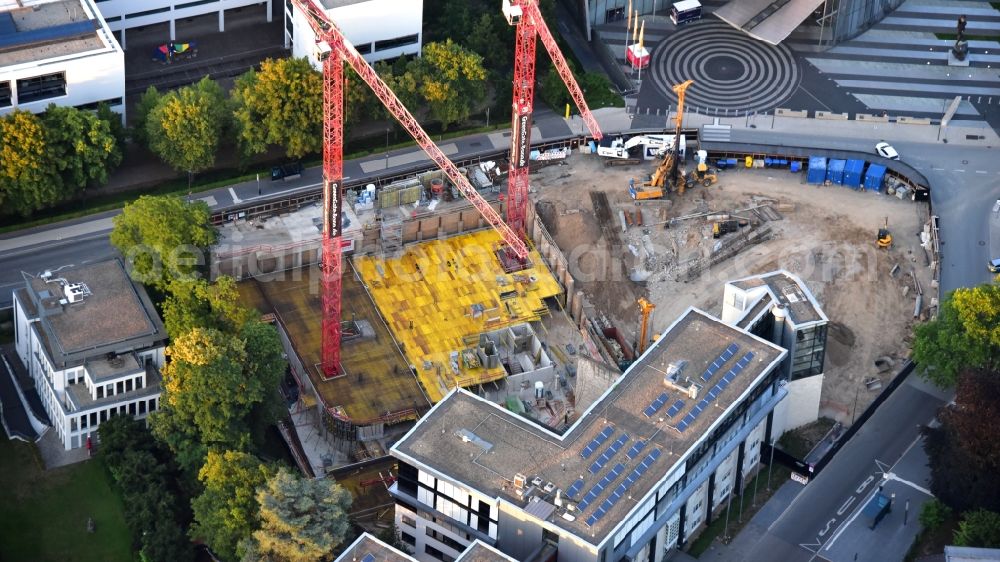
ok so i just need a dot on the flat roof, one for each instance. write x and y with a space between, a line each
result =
481 552
770 21
47 30
504 444
367 548
116 311
788 290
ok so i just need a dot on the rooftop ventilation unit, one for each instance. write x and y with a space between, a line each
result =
674 380
76 292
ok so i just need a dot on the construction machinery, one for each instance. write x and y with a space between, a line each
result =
645 310
332 49
632 150
884 239
703 174
668 174
527 19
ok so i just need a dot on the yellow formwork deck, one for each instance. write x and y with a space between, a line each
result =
377 380
440 295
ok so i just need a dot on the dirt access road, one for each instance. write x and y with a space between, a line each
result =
825 235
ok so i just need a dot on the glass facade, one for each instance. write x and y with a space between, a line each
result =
808 352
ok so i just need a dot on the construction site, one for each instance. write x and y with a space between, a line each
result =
534 278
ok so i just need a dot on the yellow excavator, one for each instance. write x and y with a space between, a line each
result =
645 309
668 174
884 239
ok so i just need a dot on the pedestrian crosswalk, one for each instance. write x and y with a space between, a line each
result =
901 65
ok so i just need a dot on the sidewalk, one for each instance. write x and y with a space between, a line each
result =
755 530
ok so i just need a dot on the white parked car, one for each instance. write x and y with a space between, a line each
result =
885 150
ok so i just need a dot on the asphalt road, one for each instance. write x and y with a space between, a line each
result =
822 513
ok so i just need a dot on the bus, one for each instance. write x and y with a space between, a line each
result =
685 11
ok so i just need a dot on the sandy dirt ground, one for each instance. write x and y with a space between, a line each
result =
826 235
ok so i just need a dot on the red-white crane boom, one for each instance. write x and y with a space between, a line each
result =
525 15
333 49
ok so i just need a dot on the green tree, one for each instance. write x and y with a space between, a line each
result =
227 512
934 513
963 452
82 146
965 334
193 303
140 115
282 104
185 127
114 121
28 179
145 475
979 528
163 238
217 388
452 81
302 519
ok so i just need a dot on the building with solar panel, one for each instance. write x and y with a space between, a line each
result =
640 470
58 52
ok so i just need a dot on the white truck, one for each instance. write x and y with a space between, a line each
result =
639 147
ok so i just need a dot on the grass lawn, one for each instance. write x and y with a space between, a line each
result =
43 515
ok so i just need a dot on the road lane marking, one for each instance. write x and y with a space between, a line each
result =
236 198
892 476
981 172
843 526
864 484
827 528
846 505
938 169
962 171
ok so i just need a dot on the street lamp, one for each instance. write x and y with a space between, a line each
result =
387 148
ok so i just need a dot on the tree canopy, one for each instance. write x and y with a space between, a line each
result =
185 126
963 452
282 104
965 334
28 181
452 81
217 388
144 473
302 519
81 146
979 528
195 302
227 512
163 238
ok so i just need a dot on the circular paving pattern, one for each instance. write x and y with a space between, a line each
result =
731 71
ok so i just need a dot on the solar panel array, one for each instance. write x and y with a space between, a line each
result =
608 453
597 442
720 361
655 406
715 391
598 488
368 558
636 449
623 488
575 489
677 407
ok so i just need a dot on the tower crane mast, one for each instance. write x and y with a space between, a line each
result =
333 50
529 25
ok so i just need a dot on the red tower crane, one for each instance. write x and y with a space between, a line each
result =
333 50
525 15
